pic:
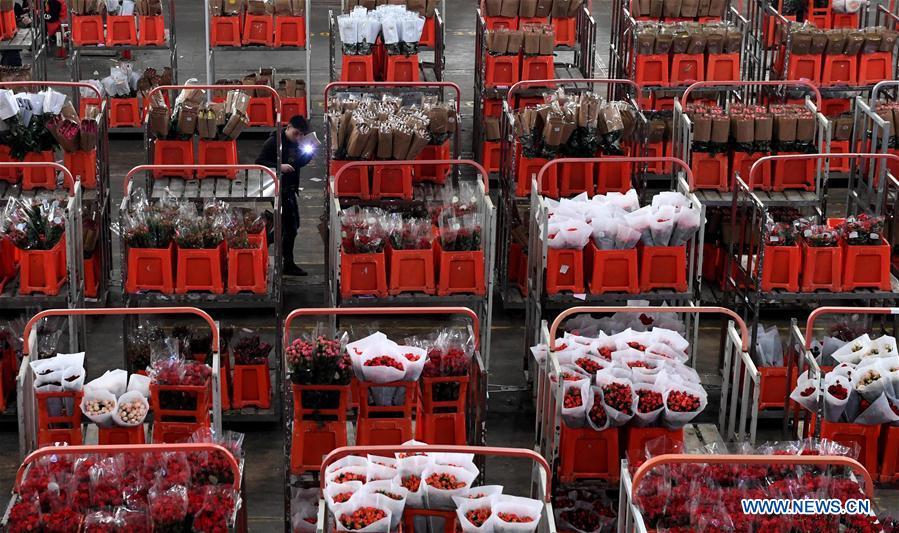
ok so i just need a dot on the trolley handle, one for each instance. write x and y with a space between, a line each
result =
820 460
356 164
518 86
492 451
46 164
393 311
878 87
813 316
398 85
191 447
120 311
792 83
744 331
757 165
147 168
679 162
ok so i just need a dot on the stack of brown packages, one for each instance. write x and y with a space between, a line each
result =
160 116
751 127
292 88
688 38
226 8
527 8
502 41
86 7
263 77
148 8
260 7
539 40
290 8
658 127
794 127
151 78
711 127
683 9
236 105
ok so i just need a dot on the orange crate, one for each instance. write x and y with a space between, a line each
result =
429 33
794 174
83 102
392 182
10 174
247 267
866 267
442 421
411 271
87 30
612 270
865 438
723 67
385 425
538 68
151 30
8 24
529 169
39 177
290 31
822 268
781 268
839 164
317 429
124 113
121 435
589 454
613 177
564 271
402 68
200 270
459 272
845 20
43 271
353 182
653 69
258 29
575 178
710 171
496 23
889 454
173 153
8 262
225 31
252 386
687 69
637 438
434 173
92 275
663 267
59 417
492 151
84 165
171 432
804 67
151 269
216 153
181 403
875 67
363 275
773 386
502 71
840 69
291 107
358 68
261 111
742 163
121 30
565 30
658 149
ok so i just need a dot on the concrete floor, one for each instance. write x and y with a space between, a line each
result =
509 423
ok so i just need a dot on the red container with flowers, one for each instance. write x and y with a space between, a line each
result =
38 233
179 398
320 383
410 257
866 254
247 255
251 379
444 393
39 177
459 256
148 232
782 259
363 269
200 244
822 259
8 261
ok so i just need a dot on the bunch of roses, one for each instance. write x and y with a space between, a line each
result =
618 396
648 400
251 350
682 401
477 517
572 398
319 361
444 481
361 518
384 360
168 509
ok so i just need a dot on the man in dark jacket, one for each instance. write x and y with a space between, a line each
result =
293 158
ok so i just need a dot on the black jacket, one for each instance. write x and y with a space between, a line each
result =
52 10
290 154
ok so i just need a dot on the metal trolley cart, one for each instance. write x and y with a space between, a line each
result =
29 419
33 39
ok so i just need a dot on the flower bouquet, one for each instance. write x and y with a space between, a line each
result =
780 234
168 508
575 399
440 483
393 497
460 234
682 404
475 515
216 511
513 514
863 230
251 350
38 224
449 355
821 236
368 515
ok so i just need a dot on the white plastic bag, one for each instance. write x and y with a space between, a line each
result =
394 498
464 506
806 392
347 26
661 225
576 415
343 462
870 380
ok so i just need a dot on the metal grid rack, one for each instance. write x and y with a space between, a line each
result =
480 304
78 53
548 393
541 306
579 65
71 294
339 319
254 185
238 519
869 186
756 91
429 71
271 52
512 207
27 406
32 40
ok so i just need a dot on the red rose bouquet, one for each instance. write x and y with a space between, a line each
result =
25 517
780 234
168 508
101 522
216 511
682 404
650 403
364 516
251 350
410 233
64 520
105 487
575 399
618 396
440 483
596 415
821 236
474 515
863 230
511 513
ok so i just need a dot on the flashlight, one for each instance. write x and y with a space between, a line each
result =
308 149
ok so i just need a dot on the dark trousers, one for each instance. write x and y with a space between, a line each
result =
290 223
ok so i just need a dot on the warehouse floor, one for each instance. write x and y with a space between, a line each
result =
508 424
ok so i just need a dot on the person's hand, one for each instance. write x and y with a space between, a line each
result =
286 169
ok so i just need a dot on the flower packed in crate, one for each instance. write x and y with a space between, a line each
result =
409 233
363 230
780 234
318 361
250 349
240 224
34 224
863 230
149 225
821 236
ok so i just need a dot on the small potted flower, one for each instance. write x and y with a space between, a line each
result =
410 256
866 254
147 232
782 254
252 383
37 230
363 269
822 259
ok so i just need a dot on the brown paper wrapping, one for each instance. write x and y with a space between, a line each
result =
836 42
493 8
561 8
717 8
703 10
681 42
237 122
655 8
888 42
657 129
743 129
764 128
646 41
842 128
531 42
402 140
527 8
854 42
819 43
187 118
509 8
516 41
232 7
702 128
663 43
785 128
733 41
697 43
720 129
371 144
358 138
544 8
873 40
419 141
547 42
492 129
689 8
671 8
805 128
498 41
159 122
714 42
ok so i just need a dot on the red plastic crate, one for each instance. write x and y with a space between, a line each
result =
353 182
459 272
151 30
889 454
124 113
613 177
742 163
115 435
822 268
385 425
529 169
151 269
844 20
196 401
43 271
442 421
258 29
59 417
663 267
252 386
773 386
575 178
121 30
839 164
637 437
92 275
357 69
200 270
173 432
866 267
216 153
502 71
87 30
538 68
866 438
564 271
39 177
8 262
840 69
658 149
11 174
8 24
687 69
261 111
492 151
653 69
225 31
496 23
794 174
402 68
589 454
290 31
84 165
429 33
723 67
411 271
363 275
247 267
317 430
781 268
492 107
565 30
434 173
173 153
612 270
804 67
291 107
710 171
875 67
392 182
